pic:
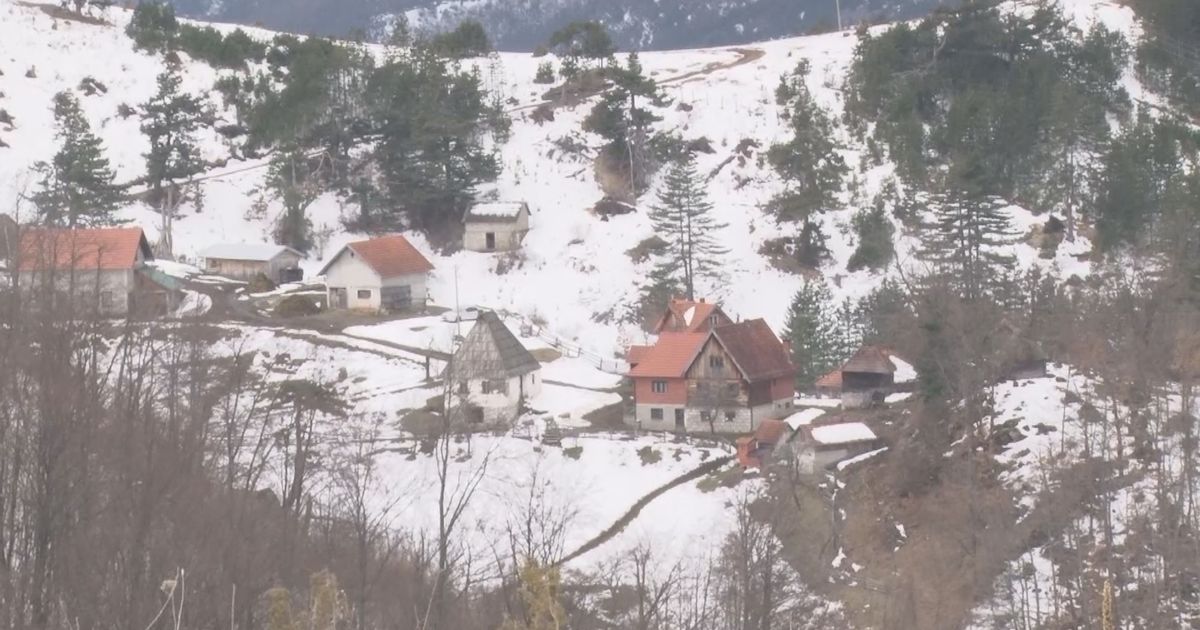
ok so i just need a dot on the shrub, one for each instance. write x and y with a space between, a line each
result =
649 456
545 73
296 306
875 249
260 284
573 452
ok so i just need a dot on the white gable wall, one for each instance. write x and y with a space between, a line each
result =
363 286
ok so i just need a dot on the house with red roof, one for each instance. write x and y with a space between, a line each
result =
100 267
711 374
379 274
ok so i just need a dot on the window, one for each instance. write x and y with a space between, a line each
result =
495 387
716 362
712 320
106 299
463 388
656 413
730 416
658 387
706 416
732 390
364 294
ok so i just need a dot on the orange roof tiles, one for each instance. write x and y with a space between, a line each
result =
103 249
693 316
671 356
388 256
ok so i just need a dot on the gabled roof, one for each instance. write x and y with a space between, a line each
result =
259 252
104 249
693 314
387 256
496 212
869 360
671 356
755 350
635 354
491 351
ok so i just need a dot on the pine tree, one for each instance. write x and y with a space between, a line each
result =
969 235
683 218
170 120
77 184
808 162
298 183
812 331
621 118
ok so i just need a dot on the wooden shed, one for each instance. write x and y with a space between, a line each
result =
246 261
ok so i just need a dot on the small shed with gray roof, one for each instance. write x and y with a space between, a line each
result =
491 375
495 226
246 261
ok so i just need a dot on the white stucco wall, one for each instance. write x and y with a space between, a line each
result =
508 234
349 272
499 408
745 419
88 288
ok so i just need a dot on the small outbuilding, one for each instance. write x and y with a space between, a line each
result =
495 226
816 448
379 274
247 261
491 376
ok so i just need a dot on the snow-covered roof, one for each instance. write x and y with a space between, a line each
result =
803 417
496 211
844 433
246 251
905 372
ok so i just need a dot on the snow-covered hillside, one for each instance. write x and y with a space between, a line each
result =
574 273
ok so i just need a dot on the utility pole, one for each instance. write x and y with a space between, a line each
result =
838 3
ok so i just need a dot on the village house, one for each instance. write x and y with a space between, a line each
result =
495 226
101 268
725 378
491 375
380 274
247 261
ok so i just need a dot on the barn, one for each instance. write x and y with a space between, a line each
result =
246 261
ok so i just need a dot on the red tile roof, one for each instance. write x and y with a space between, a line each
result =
388 256
671 356
694 315
636 353
771 431
832 380
104 249
756 351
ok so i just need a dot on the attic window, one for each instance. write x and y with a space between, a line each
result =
716 362
712 319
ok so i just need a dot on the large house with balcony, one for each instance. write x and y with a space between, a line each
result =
708 374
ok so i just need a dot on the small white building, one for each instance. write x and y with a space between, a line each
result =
246 261
491 376
379 274
495 226
819 447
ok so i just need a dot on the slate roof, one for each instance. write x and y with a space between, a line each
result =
755 350
671 356
104 249
258 252
491 351
388 256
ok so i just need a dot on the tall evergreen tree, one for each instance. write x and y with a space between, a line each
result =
77 184
170 120
683 218
811 329
622 118
968 240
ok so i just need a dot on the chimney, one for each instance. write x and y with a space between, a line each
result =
702 300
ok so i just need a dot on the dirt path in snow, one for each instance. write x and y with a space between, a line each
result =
745 56
627 517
